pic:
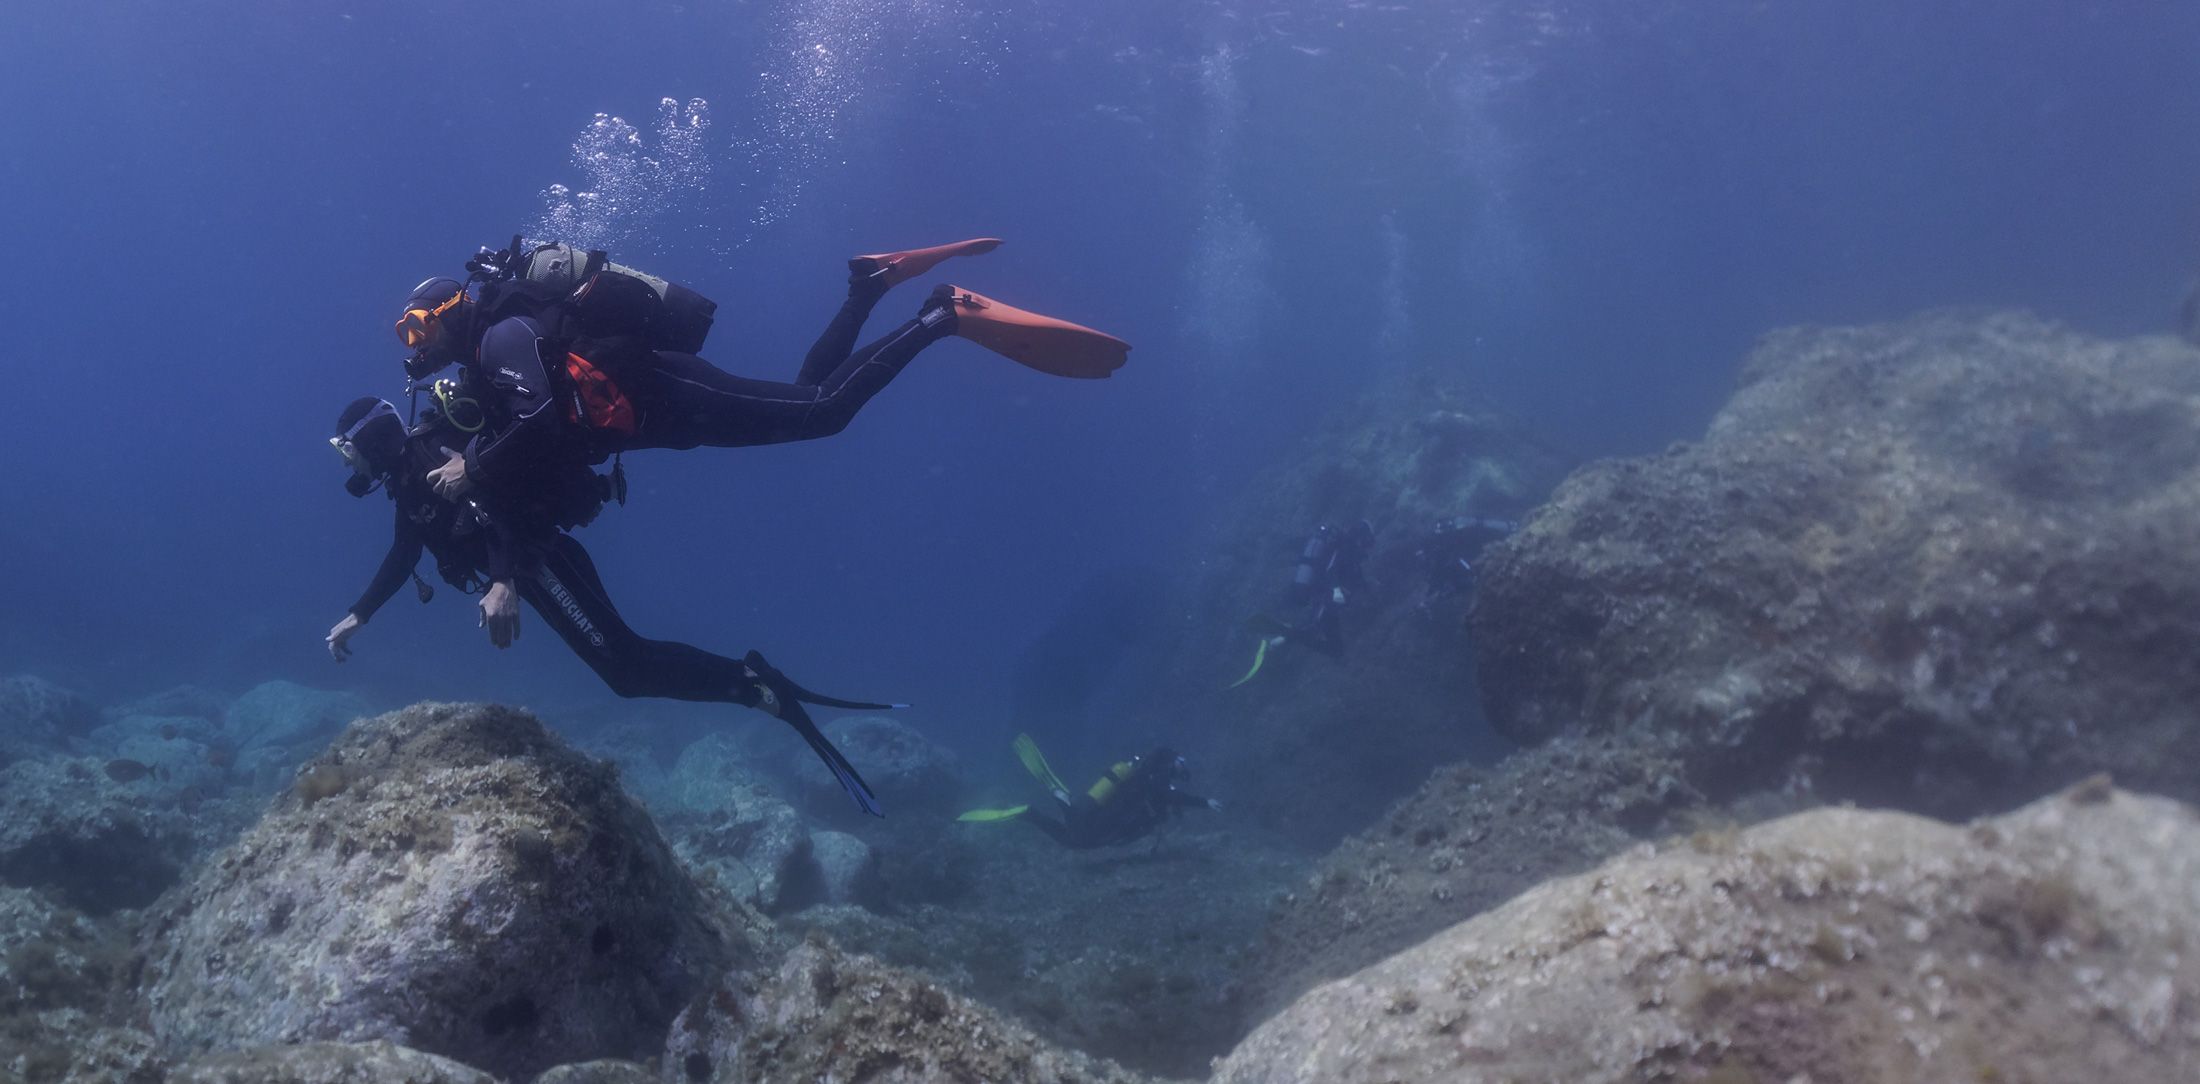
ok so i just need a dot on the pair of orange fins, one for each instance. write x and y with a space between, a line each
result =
1052 346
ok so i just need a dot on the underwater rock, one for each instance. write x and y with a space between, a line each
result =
826 1015
58 973
599 1072
68 829
1123 953
449 876
847 870
1319 747
1942 565
277 725
178 751
38 717
1467 840
906 769
2051 943
192 701
726 822
327 1063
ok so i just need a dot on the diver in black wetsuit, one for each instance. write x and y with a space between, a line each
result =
1130 802
1449 553
1329 564
545 373
510 544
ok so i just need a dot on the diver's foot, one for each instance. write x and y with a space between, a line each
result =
889 269
1052 346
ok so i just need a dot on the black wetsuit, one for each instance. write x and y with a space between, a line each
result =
520 536
1329 563
681 401
1450 552
1134 800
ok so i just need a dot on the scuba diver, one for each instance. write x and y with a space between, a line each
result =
510 545
1130 802
562 347
1449 553
1329 563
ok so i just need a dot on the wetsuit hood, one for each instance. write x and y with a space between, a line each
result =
372 431
437 322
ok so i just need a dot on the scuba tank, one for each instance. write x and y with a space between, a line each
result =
613 300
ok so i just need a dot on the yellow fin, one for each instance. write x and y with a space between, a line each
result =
1260 657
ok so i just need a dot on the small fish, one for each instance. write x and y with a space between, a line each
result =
168 732
220 757
127 771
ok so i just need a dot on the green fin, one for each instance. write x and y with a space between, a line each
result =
989 816
1036 763
1260 658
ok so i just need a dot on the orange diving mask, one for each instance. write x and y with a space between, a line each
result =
420 326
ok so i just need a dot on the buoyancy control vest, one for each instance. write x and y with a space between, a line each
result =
599 315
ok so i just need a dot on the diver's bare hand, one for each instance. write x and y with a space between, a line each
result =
450 479
339 638
500 613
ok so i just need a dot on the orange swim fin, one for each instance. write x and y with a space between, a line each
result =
1041 342
894 268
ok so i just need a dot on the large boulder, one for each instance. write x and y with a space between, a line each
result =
70 828
906 769
1467 840
825 1015
275 726
730 824
2053 943
1942 564
38 717
192 701
327 1063
448 877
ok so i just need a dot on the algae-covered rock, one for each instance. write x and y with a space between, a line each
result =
59 970
327 1063
825 1015
69 828
450 877
2052 943
1467 840
1942 564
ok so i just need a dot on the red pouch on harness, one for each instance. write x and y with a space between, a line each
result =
596 401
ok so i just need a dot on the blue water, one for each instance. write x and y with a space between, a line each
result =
211 212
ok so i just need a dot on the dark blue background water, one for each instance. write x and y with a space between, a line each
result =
211 212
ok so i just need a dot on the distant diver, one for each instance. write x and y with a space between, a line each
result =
510 543
570 355
1448 555
1132 801
1329 569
